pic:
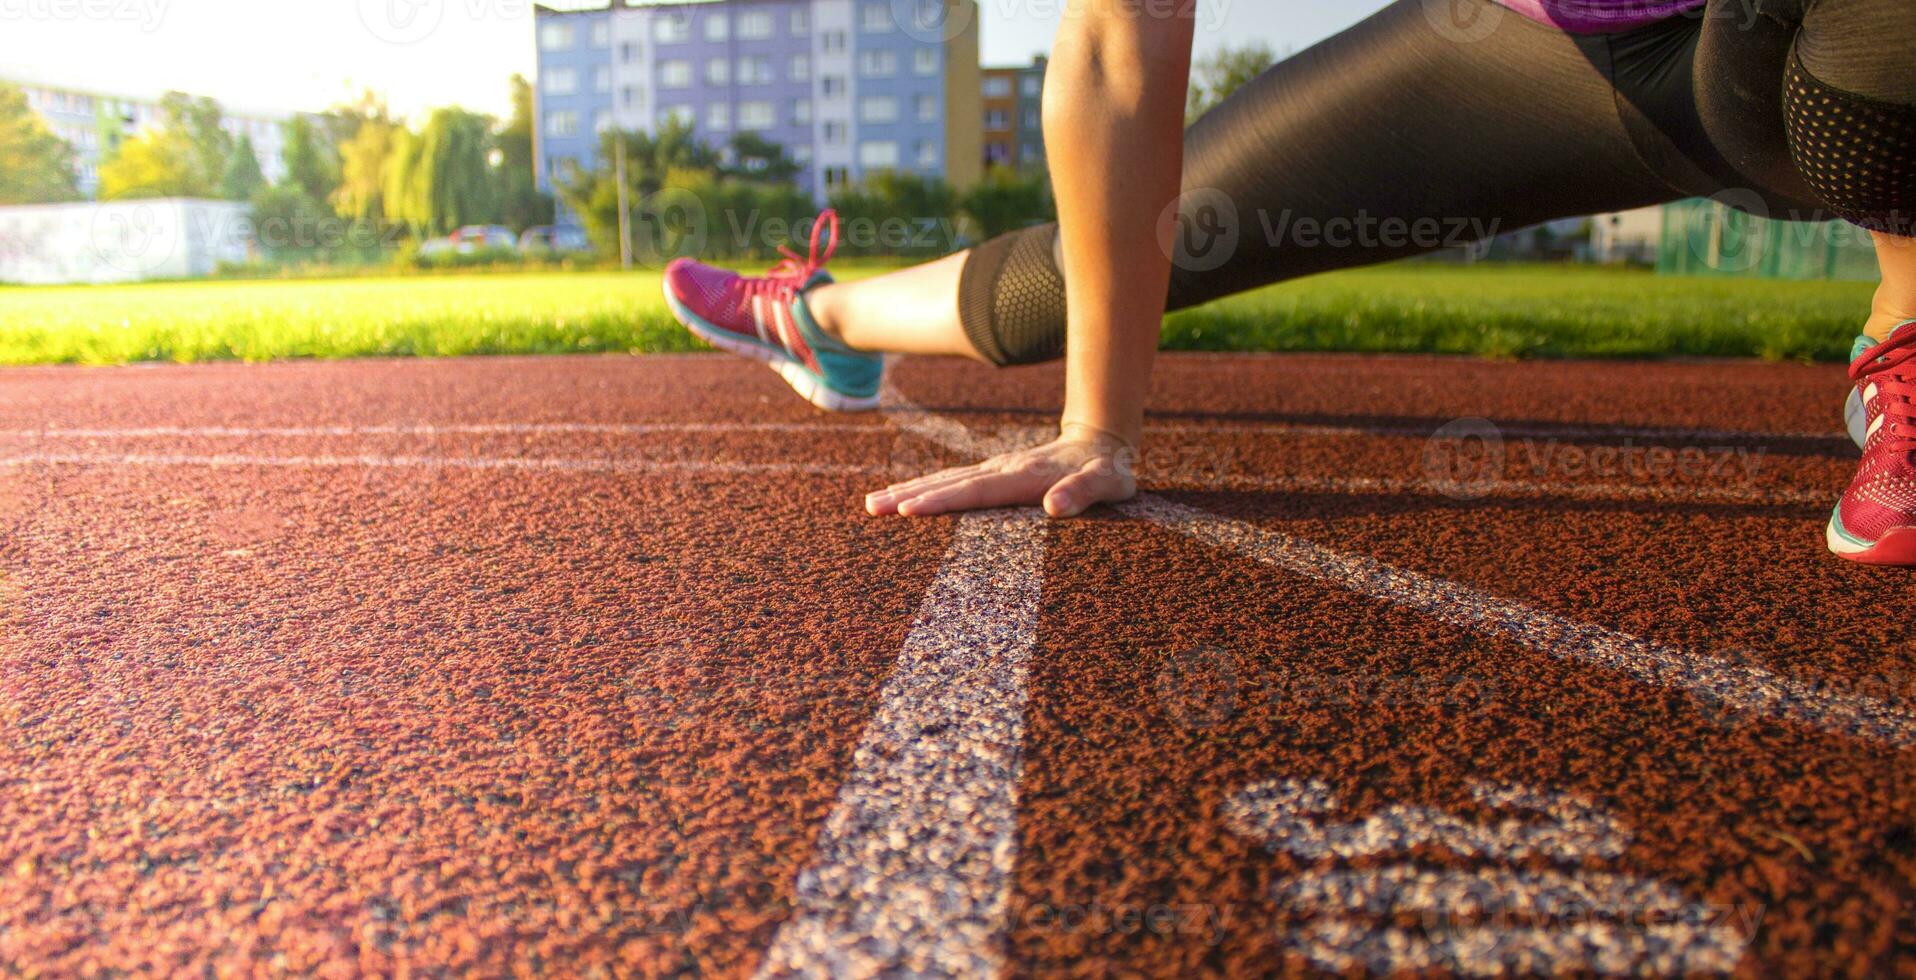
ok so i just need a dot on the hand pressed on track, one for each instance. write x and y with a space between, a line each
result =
1068 475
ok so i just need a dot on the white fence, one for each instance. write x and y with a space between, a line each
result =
121 241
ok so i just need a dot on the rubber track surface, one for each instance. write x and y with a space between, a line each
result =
569 665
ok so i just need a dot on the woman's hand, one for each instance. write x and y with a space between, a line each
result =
1068 475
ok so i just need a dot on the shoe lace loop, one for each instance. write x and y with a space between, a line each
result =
1887 366
795 266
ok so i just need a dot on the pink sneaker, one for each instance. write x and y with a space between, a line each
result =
765 318
1875 522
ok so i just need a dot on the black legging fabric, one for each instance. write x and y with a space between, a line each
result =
1407 133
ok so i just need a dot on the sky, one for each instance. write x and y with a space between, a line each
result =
280 57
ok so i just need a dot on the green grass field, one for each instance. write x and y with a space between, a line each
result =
1502 311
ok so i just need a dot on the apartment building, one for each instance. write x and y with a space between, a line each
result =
94 124
1013 131
848 87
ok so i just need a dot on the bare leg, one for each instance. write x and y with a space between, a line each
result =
1896 298
911 311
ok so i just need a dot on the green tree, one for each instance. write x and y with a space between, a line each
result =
311 161
39 165
521 203
756 158
156 163
1215 76
365 153
242 178
441 178
894 213
206 143
1007 200
593 194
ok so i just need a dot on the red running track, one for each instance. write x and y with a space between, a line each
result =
563 665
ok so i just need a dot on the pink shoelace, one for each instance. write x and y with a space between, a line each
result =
1895 384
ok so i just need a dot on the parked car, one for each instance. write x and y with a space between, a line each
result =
473 238
553 238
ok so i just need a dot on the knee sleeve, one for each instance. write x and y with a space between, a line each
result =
1858 154
1011 298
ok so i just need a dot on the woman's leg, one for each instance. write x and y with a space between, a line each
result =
1389 140
1896 298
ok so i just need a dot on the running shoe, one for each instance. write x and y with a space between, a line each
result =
1875 522
764 318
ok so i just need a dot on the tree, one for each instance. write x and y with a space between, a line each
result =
243 177
1215 76
311 161
441 178
521 204
156 163
1007 200
365 154
894 213
593 194
756 158
39 165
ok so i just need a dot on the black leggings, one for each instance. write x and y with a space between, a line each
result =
1410 132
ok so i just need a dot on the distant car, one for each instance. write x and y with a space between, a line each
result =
473 238
553 238
436 246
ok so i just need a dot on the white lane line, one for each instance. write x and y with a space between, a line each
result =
914 866
1734 686
1738 687
533 463
490 428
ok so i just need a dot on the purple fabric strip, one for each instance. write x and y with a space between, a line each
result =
1600 16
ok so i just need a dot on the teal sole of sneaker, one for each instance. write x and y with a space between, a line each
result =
1896 547
807 384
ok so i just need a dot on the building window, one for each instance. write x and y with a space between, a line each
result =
878 109
556 37
755 70
801 112
718 115
755 25
756 115
676 73
878 64
717 26
801 68
833 42
875 18
718 71
996 120
561 81
562 124
602 34
878 154
997 154
802 155
674 28
837 177
801 21
834 133
679 115
927 108
997 87
1031 120
633 97
602 78
832 87
1033 86
602 121
925 61
628 52
927 153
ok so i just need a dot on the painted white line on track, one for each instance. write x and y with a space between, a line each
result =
531 463
1738 687
914 867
